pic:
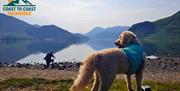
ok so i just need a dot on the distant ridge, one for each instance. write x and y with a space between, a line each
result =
106 33
168 27
13 28
95 31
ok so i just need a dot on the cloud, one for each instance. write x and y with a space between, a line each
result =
83 15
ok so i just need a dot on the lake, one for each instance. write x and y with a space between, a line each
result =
31 51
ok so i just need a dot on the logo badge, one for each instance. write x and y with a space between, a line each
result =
19 8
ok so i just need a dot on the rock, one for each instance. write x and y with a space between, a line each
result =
163 66
1 65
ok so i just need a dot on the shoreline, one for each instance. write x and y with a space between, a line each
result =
164 69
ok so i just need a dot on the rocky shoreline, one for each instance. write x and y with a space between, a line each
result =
155 64
55 65
161 69
164 69
163 64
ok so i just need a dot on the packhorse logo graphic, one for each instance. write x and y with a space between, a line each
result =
16 2
19 7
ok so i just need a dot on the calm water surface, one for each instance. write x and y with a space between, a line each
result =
35 51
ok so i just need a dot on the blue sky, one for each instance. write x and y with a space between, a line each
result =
83 15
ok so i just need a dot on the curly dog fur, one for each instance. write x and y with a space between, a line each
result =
105 64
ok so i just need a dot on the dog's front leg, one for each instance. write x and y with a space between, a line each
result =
128 82
139 76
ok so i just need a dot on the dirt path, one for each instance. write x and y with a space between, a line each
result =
54 74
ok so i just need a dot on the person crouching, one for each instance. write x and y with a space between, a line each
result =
49 59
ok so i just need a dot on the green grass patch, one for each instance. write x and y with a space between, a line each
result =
159 86
37 84
15 82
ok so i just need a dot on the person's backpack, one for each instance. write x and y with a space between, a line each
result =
45 58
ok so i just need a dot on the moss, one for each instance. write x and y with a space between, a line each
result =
64 85
159 86
16 82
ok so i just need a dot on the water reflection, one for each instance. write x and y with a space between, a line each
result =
75 52
100 44
11 51
159 47
34 51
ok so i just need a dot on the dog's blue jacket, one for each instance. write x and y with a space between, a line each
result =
134 53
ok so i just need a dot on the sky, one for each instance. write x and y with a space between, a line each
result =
80 16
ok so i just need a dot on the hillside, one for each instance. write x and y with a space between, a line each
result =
95 31
13 28
163 28
143 29
106 33
50 32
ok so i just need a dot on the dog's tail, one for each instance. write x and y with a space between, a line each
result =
85 73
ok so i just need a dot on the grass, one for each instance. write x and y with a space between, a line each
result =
37 84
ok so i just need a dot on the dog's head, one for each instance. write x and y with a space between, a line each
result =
126 38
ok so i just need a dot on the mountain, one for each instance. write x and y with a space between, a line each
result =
107 33
143 29
95 31
13 28
163 28
81 36
51 32
36 26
